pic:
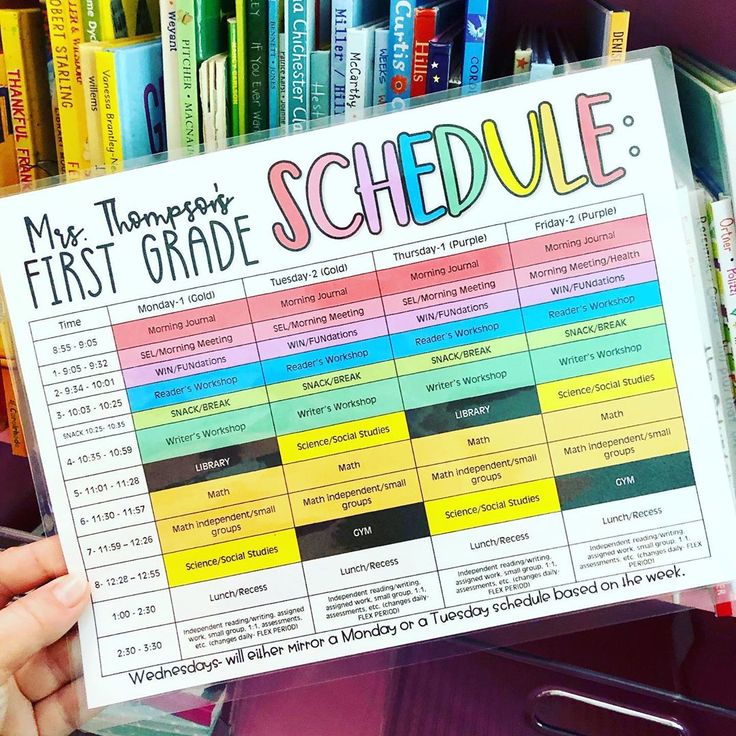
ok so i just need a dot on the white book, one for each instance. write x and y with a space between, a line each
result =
171 75
359 55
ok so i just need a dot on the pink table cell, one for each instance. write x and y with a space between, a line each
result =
183 347
315 296
589 239
283 346
145 374
181 324
341 315
466 309
443 293
445 269
581 285
628 255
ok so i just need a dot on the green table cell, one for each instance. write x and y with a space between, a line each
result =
335 407
207 433
463 381
598 354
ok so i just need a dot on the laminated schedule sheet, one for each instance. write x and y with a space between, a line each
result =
408 377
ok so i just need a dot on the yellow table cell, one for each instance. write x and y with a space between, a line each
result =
325 471
345 378
493 506
481 440
343 437
607 385
619 446
628 412
484 472
225 524
211 494
232 558
357 497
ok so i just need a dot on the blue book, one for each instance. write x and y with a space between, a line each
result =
319 98
138 68
401 49
300 40
380 66
477 17
443 53
274 21
345 14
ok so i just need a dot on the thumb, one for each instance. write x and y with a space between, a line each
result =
35 621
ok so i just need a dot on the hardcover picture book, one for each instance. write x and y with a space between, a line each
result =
408 377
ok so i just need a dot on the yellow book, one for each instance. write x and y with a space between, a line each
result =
88 55
66 32
30 100
88 58
618 35
112 137
8 165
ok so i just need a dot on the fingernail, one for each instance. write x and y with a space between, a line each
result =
69 590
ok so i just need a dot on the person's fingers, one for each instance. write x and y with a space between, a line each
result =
50 669
19 719
26 567
39 619
62 712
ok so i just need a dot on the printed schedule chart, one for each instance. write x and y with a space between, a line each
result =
407 430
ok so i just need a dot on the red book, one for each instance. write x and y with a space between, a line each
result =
425 29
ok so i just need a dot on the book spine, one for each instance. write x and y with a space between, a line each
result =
234 84
359 71
88 54
51 77
438 78
21 34
342 19
112 136
476 24
299 28
425 28
17 441
65 29
186 38
113 23
257 39
8 163
282 78
723 244
92 20
618 35
274 24
240 20
320 94
170 62
400 50
380 66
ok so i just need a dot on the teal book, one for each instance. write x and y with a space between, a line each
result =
275 24
256 33
299 19
139 80
319 99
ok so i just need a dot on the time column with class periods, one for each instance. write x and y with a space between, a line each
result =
106 488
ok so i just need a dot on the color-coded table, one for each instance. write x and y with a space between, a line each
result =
462 418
